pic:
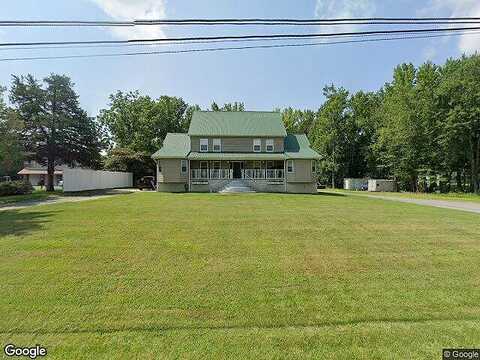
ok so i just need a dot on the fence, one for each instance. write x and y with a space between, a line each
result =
86 179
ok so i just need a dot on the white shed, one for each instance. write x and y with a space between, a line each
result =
381 185
355 184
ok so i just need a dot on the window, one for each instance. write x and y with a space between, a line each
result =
159 167
203 165
217 145
269 164
216 165
314 166
257 164
257 145
290 166
183 165
269 145
203 145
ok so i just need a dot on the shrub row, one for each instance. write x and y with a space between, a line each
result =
15 188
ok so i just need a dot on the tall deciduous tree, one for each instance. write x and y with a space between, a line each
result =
56 129
141 123
11 150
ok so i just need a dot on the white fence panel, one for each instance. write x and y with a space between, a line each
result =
86 179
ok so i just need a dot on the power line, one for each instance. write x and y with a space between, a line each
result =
233 37
162 43
231 48
246 21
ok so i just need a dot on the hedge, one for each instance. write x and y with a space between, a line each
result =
15 188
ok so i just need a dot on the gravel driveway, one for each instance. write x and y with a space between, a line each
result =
446 204
66 198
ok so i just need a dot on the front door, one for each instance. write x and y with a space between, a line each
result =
237 170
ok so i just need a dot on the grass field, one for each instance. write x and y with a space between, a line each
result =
151 275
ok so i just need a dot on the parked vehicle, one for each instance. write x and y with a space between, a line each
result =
146 182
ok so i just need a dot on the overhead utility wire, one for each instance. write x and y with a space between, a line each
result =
80 46
231 48
305 22
233 37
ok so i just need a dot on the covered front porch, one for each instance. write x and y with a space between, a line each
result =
272 170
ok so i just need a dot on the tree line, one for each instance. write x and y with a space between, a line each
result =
421 129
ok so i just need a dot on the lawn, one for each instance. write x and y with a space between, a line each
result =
150 275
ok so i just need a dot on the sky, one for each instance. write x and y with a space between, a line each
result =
263 79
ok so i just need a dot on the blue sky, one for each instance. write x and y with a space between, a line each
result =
262 79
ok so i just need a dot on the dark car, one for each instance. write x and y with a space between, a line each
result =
146 182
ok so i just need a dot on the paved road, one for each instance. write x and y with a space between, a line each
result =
65 199
446 204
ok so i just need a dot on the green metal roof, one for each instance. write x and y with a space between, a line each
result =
174 146
241 123
298 147
236 156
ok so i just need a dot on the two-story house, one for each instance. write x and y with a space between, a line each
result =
250 149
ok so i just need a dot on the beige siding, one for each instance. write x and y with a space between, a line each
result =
302 171
171 171
236 144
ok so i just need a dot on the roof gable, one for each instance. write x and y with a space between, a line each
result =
241 123
298 147
174 146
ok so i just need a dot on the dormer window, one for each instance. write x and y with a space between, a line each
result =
269 145
257 145
217 145
203 145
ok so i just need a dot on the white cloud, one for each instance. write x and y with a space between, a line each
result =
457 8
134 10
334 9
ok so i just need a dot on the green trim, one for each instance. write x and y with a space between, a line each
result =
236 156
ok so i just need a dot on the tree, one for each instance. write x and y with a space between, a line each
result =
11 151
460 98
125 159
56 129
141 123
329 136
236 106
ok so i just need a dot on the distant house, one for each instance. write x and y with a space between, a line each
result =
228 151
34 173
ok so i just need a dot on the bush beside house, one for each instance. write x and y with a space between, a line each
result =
15 188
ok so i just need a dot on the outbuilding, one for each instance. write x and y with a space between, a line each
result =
381 185
355 184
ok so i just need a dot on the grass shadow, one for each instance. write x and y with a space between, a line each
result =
90 193
17 222
328 193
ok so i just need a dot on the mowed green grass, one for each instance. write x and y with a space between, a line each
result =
151 275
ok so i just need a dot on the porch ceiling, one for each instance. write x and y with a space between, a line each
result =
235 156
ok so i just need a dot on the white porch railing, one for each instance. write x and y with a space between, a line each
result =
204 174
269 174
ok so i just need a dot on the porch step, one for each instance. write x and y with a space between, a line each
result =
236 186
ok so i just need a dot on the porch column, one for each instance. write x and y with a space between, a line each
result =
189 176
285 173
156 176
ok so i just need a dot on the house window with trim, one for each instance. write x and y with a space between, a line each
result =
217 145
257 145
269 145
183 166
203 145
314 166
290 168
